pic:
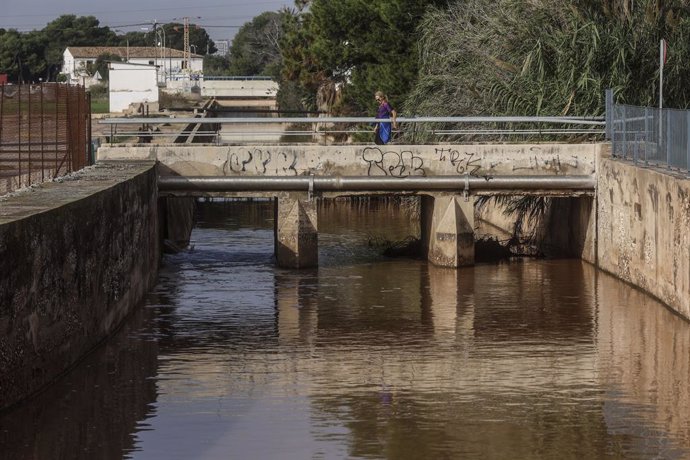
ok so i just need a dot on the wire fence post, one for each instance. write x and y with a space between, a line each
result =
19 132
687 143
88 129
647 134
668 138
609 114
2 112
624 133
43 122
614 142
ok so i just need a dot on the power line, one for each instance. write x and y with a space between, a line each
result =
186 8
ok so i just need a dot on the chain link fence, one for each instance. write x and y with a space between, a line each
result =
45 132
649 136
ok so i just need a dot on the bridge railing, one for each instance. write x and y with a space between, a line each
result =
650 136
335 130
236 78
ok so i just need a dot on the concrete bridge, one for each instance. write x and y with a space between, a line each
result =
448 178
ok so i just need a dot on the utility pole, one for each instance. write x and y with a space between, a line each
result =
154 24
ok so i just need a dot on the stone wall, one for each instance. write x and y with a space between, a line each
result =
76 257
643 230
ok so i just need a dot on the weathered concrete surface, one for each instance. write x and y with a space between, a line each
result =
570 228
567 228
9 184
390 160
643 230
75 258
448 230
296 231
176 221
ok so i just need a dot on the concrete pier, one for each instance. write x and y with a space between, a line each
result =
448 230
296 231
176 220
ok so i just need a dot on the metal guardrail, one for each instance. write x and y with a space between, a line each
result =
590 121
344 126
236 78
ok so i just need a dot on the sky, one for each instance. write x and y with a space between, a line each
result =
220 18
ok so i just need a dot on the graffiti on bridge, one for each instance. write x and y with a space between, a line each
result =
390 163
546 164
464 163
260 161
375 161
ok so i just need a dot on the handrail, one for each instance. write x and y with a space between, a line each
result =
284 129
236 78
592 121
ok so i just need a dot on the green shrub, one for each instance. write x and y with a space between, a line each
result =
173 101
99 91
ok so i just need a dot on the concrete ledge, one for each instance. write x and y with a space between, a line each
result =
76 257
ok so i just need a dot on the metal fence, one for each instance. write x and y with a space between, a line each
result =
650 136
45 132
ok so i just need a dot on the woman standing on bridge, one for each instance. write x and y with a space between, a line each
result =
382 131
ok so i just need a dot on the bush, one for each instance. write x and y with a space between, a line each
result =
99 91
173 101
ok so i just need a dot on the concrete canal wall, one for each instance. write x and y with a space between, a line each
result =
75 258
637 228
644 230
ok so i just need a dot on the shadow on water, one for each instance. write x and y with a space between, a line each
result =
96 410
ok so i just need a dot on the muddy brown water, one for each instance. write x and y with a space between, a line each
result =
368 357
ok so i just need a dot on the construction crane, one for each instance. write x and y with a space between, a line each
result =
187 56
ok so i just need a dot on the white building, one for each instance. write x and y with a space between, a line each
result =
223 47
169 61
132 84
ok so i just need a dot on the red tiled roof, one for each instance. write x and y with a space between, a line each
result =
151 52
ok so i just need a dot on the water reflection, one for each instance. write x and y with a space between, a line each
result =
95 411
644 352
369 357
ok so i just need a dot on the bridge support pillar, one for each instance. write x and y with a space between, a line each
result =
175 222
296 231
448 230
